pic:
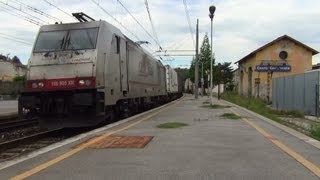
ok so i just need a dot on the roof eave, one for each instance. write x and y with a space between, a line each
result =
314 52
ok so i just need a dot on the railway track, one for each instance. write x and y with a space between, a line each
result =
17 147
32 138
8 125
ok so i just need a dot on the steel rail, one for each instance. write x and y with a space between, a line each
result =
17 123
27 139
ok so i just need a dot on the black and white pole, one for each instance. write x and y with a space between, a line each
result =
212 9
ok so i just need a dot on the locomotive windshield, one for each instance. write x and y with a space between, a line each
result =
82 39
66 40
50 41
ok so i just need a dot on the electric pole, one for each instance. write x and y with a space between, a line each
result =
196 77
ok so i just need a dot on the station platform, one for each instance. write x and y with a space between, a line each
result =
209 147
8 109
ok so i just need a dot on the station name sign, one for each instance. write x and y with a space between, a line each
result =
273 68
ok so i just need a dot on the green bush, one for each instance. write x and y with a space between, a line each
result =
19 79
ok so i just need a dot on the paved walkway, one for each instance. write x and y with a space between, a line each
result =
211 147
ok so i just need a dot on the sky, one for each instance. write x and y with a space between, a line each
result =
239 26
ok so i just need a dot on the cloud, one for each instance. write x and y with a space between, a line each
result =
239 26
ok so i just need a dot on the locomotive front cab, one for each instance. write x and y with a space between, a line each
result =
61 86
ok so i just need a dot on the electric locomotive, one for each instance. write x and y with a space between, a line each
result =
81 74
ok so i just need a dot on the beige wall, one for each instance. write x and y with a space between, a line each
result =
8 70
299 58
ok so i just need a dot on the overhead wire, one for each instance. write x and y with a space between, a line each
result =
115 19
155 40
189 22
154 30
14 39
152 25
38 11
177 44
30 20
34 17
58 8
20 39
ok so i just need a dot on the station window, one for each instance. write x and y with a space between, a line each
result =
117 44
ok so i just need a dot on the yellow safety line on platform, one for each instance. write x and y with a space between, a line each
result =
84 145
312 167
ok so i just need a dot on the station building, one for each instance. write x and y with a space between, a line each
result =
281 57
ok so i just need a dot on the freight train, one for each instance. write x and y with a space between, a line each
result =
81 74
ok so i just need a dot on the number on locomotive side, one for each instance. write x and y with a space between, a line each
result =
54 83
63 83
70 83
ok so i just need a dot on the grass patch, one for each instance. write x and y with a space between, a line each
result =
171 125
315 132
215 106
254 104
259 106
230 116
294 113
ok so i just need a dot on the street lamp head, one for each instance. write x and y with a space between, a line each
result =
212 9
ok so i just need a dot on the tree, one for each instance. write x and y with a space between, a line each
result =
3 57
205 60
16 60
191 70
222 73
183 73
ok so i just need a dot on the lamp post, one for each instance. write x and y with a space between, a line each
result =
212 9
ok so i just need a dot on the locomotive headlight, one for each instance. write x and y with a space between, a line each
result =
34 85
40 84
81 82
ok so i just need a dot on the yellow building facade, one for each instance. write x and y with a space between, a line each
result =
282 57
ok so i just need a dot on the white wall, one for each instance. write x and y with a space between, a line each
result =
215 89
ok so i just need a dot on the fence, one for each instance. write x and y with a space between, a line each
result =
297 92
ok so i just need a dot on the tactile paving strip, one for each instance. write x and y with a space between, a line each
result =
122 142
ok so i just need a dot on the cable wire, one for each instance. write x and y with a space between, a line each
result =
38 11
115 19
155 40
14 39
20 39
189 22
152 26
35 17
58 8
21 16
